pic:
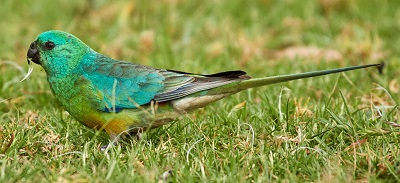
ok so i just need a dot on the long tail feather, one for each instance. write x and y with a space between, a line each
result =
257 82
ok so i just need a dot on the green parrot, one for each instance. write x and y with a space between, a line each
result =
120 97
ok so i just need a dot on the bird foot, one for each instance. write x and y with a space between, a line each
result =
139 136
113 140
103 147
164 177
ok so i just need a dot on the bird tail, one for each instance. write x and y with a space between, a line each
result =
257 82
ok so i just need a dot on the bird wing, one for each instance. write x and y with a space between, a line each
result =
175 89
123 85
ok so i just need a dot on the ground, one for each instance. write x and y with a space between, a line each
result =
335 128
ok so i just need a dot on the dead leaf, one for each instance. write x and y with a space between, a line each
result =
51 143
391 123
356 144
302 109
238 106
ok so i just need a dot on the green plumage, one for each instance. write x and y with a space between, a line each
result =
120 96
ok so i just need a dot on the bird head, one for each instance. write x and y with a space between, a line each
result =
57 52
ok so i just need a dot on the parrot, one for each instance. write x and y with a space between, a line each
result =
121 97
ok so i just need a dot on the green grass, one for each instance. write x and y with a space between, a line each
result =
327 129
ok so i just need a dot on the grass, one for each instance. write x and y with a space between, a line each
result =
336 128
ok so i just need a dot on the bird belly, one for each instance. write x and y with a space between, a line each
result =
149 116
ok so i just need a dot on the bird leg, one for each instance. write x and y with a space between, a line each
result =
136 134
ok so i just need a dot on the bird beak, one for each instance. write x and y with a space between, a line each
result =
33 54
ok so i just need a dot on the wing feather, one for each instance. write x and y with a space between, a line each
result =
139 85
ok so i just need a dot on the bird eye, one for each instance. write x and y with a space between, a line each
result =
49 45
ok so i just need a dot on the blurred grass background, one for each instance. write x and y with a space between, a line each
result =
334 128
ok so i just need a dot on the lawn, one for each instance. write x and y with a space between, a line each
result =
337 128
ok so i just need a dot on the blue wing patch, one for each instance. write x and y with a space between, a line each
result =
121 84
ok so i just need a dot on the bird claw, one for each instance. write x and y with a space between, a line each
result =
164 177
103 147
113 140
